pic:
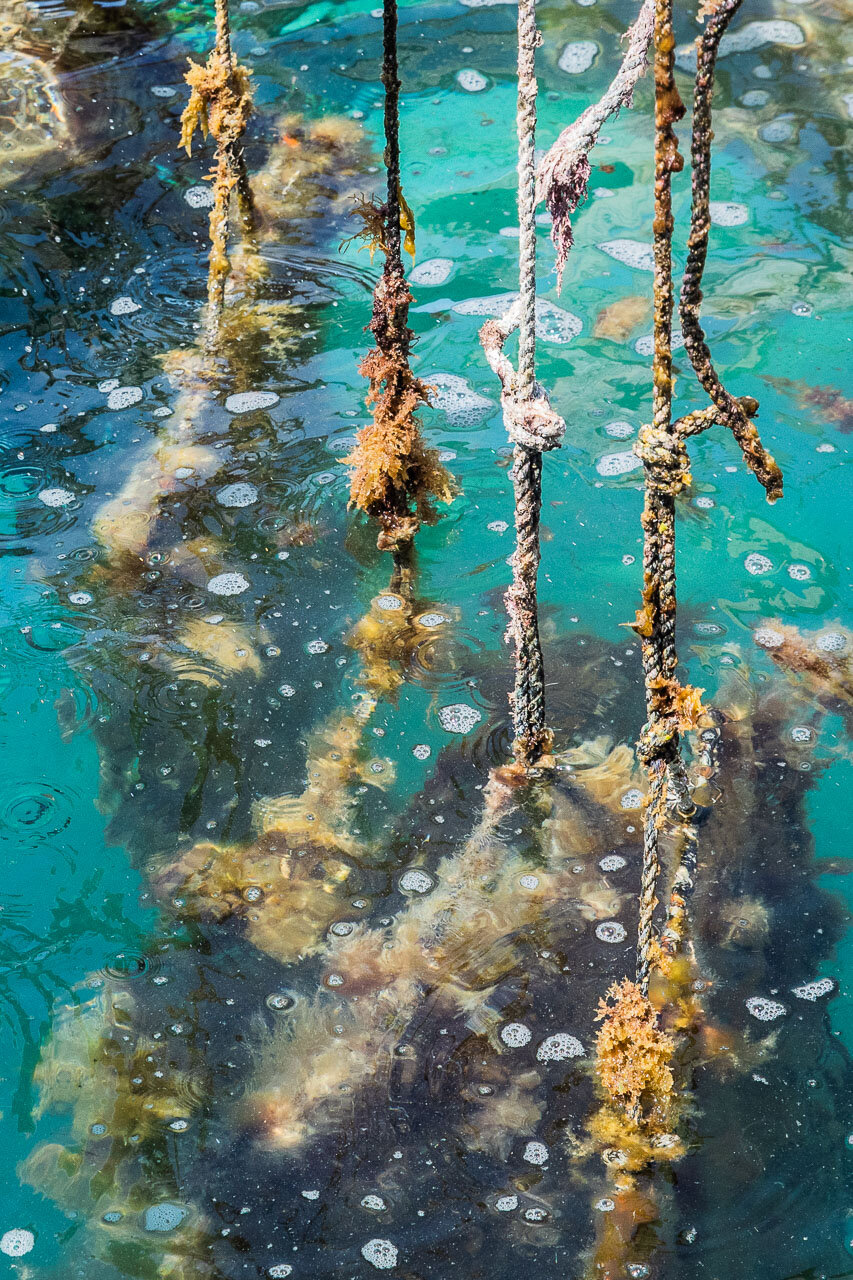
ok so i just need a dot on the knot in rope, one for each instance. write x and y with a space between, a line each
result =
658 741
530 421
664 456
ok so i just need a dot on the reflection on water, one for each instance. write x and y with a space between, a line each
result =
296 977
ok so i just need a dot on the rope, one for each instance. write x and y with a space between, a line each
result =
391 82
531 423
666 470
565 169
731 411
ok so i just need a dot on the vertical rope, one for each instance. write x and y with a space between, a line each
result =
528 699
656 624
391 82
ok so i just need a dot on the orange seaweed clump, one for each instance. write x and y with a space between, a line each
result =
634 1054
396 478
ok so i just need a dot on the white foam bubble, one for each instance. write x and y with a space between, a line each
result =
56 497
453 396
80 597
459 717
163 1217
376 1203
765 1010
529 882
280 1270
245 401
754 35
578 57
645 346
388 603
432 619
433 271
199 197
317 646
163 90
632 799
728 213
49 428
416 881
799 572
124 307
619 430
814 990
228 584
286 690
768 637
779 130
382 1254
559 1048
17 1242
421 751
535 1153
516 1035
757 564
553 323
124 397
831 642
618 464
237 495
612 862
311 1195
505 1204
497 526
610 931
471 81
634 253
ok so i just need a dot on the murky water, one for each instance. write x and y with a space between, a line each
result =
289 987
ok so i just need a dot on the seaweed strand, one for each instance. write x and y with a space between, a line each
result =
395 477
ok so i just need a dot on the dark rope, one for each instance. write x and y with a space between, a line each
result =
391 82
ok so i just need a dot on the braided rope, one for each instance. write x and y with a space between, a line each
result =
730 410
531 423
391 82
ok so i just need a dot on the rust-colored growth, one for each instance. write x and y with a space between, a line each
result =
396 478
633 1054
220 105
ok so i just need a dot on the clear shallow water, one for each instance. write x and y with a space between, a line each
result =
131 736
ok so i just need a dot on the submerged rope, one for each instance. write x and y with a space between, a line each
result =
531 423
220 104
395 477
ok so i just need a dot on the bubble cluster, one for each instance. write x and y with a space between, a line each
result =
388 603
199 197
704 503
757 564
382 1254
768 637
535 1215
432 619
619 430
535 1153
416 881
421 751
618 464
246 401
124 307
163 1217
237 495
17 1242
506 1204
529 882
553 323
765 1010
56 497
459 717
633 253
632 799
375 1203
831 642
605 1205
497 526
728 213
317 646
814 990
801 733
578 57
645 346
452 396
432 272
516 1035
471 81
612 862
123 397
280 1270
610 931
559 1048
227 584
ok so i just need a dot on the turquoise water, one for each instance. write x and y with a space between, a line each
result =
131 737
